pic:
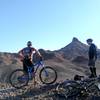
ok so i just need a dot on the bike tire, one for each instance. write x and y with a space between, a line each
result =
14 81
52 74
68 89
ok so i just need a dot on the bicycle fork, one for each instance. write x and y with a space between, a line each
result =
46 73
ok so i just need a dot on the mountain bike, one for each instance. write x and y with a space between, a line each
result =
47 75
79 90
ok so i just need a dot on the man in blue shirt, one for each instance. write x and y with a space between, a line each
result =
92 54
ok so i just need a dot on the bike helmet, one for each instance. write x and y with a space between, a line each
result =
29 43
89 40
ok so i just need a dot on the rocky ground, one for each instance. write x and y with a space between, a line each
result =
40 92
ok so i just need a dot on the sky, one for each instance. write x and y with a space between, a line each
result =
49 24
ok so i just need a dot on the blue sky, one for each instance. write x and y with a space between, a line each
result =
49 24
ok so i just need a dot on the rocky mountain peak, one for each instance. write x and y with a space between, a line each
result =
75 39
74 49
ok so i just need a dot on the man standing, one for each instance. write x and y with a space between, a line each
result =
26 55
92 53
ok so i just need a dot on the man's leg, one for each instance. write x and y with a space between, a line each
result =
94 68
25 66
92 72
29 63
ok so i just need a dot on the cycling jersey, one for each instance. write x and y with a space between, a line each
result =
27 51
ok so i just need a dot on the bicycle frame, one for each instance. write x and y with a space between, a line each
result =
37 65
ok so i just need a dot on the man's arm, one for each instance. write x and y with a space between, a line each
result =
37 53
20 53
95 53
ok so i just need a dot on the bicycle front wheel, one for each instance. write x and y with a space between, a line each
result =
48 75
18 78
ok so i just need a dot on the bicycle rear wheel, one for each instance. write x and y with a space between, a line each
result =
48 75
18 78
68 89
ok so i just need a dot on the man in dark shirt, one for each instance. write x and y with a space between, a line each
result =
92 53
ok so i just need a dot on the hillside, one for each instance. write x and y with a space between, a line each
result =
68 61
